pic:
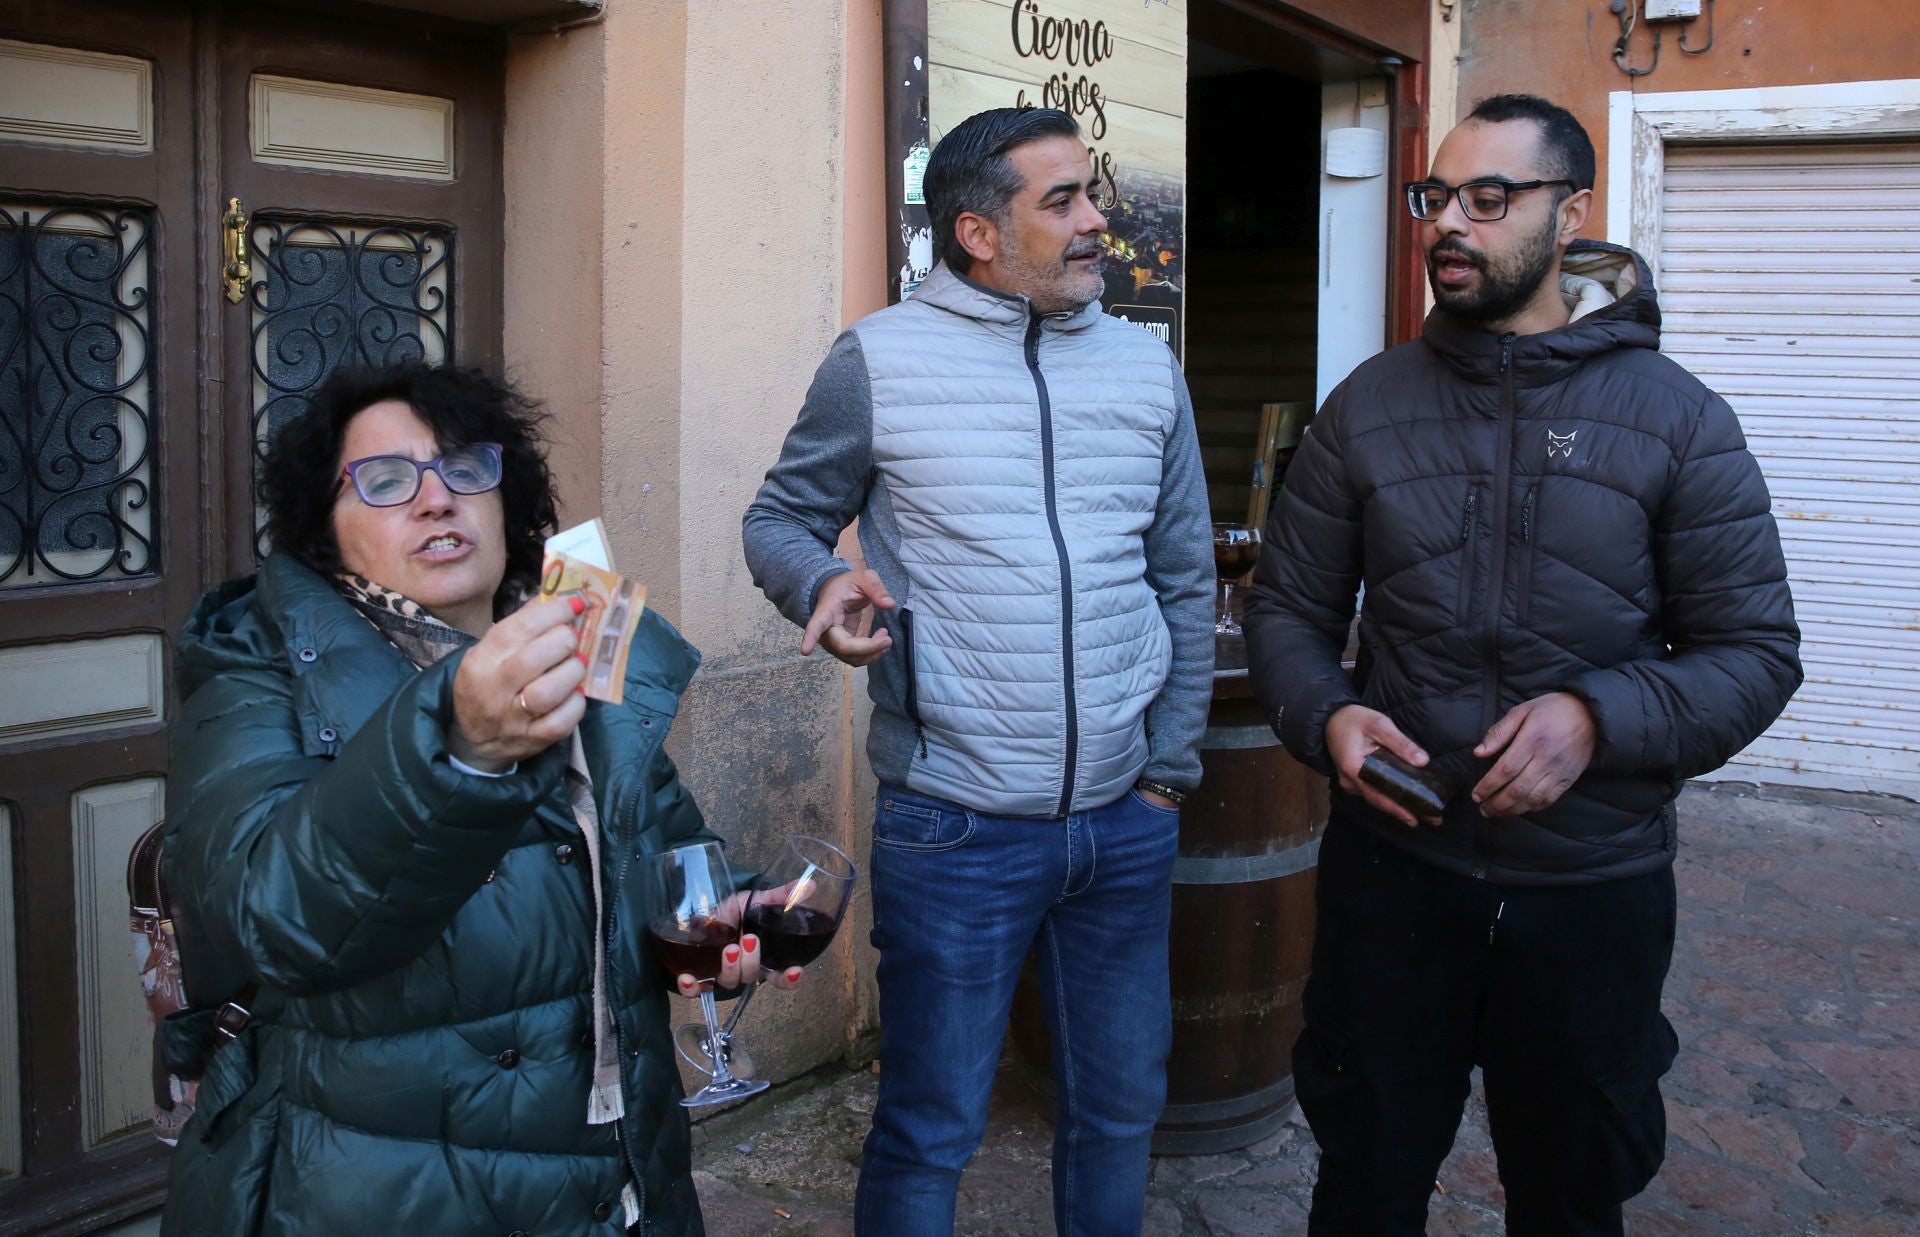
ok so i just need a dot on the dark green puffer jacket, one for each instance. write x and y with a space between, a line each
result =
422 939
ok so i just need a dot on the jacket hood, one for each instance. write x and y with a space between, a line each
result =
289 619
947 289
222 634
1608 288
259 621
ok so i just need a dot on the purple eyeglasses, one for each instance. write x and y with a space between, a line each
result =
390 480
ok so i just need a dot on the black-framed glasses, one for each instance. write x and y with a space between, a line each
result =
390 480
1482 201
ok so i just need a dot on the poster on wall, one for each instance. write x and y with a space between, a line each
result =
1119 67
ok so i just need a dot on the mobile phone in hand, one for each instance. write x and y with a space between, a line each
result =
1418 790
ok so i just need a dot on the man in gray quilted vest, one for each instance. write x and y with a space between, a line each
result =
1038 580
1574 600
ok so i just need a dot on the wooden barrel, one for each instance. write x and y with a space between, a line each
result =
1241 941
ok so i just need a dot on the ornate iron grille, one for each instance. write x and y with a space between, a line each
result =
328 294
76 394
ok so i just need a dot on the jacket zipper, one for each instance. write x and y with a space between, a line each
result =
621 1131
1060 550
1526 561
913 692
1469 556
626 1151
1496 578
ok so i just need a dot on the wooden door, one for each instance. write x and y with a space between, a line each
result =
133 395
368 165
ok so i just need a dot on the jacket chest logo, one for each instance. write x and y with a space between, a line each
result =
1560 444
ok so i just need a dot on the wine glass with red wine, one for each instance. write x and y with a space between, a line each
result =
696 915
795 908
1235 549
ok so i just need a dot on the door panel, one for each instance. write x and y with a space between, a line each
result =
66 96
99 476
9 1014
86 305
116 1089
76 458
1355 211
370 173
133 398
72 687
327 293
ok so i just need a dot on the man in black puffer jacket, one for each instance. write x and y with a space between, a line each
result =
1574 600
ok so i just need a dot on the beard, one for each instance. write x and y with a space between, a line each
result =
1506 284
1051 284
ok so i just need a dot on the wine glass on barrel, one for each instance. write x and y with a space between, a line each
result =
1235 547
696 915
794 908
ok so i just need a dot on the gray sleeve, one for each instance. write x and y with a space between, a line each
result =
1179 547
817 486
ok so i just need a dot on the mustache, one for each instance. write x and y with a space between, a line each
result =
1091 250
1454 249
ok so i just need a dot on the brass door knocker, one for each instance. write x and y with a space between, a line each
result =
237 271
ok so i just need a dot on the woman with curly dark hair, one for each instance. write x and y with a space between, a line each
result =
386 818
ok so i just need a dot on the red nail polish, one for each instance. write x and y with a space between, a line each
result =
733 953
579 604
793 974
750 946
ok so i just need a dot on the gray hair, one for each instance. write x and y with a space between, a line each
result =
969 171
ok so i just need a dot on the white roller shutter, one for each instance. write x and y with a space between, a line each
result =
1790 283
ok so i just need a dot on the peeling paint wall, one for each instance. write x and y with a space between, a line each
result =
1564 51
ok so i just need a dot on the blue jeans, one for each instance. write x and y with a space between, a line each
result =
959 897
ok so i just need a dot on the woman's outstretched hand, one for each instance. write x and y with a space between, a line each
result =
740 966
517 692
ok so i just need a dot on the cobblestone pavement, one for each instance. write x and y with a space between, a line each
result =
1794 1107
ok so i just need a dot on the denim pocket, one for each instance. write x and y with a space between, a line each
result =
1151 806
910 822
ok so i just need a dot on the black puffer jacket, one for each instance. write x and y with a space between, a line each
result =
1569 511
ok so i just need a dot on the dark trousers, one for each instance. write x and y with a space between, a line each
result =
1554 992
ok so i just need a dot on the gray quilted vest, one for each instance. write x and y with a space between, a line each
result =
1019 460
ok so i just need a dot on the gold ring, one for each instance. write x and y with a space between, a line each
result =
521 697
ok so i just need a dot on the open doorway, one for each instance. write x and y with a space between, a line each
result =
1252 255
1287 238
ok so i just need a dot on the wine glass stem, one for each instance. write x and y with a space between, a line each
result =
733 1015
1226 602
721 1074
